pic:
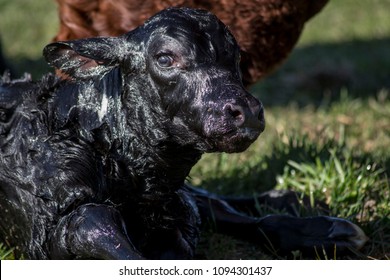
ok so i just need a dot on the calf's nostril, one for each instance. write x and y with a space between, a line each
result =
237 113
245 116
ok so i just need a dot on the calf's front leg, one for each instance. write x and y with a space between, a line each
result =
92 231
280 233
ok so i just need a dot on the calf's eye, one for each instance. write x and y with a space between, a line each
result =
165 60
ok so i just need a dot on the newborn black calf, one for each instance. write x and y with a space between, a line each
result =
94 166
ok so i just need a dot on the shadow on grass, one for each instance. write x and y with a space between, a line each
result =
316 73
378 245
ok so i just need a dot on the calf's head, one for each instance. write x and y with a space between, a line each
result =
180 70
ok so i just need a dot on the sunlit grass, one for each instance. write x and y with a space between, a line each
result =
348 20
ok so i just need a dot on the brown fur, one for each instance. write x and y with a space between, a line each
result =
266 30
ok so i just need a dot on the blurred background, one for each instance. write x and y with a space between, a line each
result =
345 46
327 111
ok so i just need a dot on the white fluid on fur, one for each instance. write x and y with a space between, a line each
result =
103 107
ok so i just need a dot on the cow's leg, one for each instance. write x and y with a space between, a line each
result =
279 200
282 233
92 231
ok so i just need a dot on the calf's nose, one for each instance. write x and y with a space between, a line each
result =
251 116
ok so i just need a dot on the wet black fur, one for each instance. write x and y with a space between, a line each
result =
94 166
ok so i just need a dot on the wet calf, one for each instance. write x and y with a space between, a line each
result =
93 166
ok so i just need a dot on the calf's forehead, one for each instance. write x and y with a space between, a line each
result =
193 28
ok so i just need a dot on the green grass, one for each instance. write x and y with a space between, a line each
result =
354 186
348 20
25 28
327 112
5 253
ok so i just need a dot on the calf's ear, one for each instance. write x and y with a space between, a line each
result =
85 58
